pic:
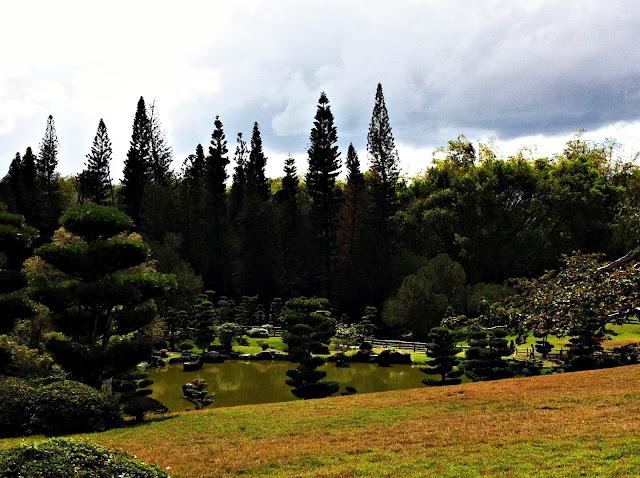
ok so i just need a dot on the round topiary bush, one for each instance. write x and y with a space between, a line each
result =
16 402
70 407
65 458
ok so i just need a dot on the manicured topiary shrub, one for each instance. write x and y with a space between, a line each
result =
138 407
71 407
16 397
67 458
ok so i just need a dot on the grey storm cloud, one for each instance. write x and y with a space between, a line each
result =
505 68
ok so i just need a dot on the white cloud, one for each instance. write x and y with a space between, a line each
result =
523 71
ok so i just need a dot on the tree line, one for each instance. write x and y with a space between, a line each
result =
370 239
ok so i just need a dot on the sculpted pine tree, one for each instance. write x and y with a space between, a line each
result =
102 297
324 166
16 239
309 328
94 183
441 350
137 166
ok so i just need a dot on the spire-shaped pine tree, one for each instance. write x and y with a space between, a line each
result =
290 182
256 178
47 160
324 166
12 185
239 182
161 153
288 237
353 240
216 170
383 157
50 197
94 183
137 166
193 220
217 276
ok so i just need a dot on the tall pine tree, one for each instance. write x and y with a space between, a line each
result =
216 176
47 179
161 153
94 183
354 241
256 178
238 184
137 166
384 159
254 227
193 219
324 166
288 231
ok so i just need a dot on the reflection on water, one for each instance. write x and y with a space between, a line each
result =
239 383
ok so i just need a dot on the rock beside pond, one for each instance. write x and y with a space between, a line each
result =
212 357
192 366
173 360
244 356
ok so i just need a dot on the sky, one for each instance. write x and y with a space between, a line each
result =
516 73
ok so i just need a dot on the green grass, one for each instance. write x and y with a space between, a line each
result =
565 425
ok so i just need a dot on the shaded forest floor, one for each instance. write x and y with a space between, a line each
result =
565 425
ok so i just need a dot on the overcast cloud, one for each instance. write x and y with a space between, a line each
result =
527 73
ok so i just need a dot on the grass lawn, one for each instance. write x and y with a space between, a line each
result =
566 425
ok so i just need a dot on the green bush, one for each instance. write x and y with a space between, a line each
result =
138 407
16 397
185 346
71 407
91 221
65 458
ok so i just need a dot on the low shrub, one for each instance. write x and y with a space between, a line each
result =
71 407
185 346
16 402
138 407
56 458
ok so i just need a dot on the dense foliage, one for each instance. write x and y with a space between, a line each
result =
56 458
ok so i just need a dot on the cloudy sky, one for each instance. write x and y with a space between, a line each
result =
526 73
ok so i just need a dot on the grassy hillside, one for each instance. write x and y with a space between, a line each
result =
580 424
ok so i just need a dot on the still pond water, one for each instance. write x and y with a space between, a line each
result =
240 383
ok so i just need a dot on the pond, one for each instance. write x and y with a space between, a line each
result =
240 383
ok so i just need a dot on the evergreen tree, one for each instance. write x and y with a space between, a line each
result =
324 166
255 172
204 321
103 299
47 160
216 176
50 198
193 217
484 356
137 166
94 183
254 227
288 230
16 239
309 328
354 241
11 186
383 157
29 181
161 153
238 185
441 349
